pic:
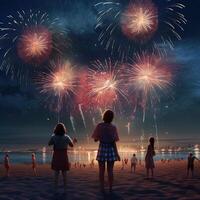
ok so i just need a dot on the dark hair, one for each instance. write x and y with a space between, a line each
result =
60 129
133 154
108 116
152 141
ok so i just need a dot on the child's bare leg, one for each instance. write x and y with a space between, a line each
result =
110 166
34 172
64 174
56 174
101 174
134 168
152 172
192 172
7 172
147 172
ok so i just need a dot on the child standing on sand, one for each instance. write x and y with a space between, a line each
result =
60 141
123 164
149 162
7 164
190 166
33 158
106 134
133 163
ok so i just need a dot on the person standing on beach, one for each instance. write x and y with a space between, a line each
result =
123 164
60 141
33 158
190 166
7 164
133 163
149 162
106 134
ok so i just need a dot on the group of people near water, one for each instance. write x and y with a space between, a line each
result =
107 135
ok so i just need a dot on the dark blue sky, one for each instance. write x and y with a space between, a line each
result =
23 114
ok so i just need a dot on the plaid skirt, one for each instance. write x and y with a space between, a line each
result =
106 152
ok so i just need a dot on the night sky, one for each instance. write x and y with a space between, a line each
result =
23 113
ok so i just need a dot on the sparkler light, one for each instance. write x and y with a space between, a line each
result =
139 20
105 84
35 45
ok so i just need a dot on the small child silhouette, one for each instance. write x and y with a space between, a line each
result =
7 164
33 157
133 163
190 167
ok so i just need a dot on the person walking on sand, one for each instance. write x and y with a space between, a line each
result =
133 163
33 158
60 141
106 134
190 165
7 165
149 162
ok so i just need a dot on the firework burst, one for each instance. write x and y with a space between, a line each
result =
140 20
105 84
140 25
27 40
35 45
59 84
148 77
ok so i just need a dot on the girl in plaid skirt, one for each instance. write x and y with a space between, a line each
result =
106 134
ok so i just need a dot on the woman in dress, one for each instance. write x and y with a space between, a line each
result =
149 162
60 141
106 134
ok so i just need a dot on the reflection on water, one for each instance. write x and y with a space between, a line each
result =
87 156
44 155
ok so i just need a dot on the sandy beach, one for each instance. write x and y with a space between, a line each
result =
170 182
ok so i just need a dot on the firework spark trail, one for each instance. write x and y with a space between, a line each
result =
82 115
149 76
139 23
156 128
128 128
72 123
94 121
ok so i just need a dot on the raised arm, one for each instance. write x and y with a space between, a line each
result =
70 141
51 141
196 158
96 134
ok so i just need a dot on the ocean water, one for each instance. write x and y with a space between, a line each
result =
86 156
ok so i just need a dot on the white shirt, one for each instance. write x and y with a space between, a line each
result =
60 142
133 160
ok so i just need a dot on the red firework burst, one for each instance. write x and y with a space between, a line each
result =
139 21
35 45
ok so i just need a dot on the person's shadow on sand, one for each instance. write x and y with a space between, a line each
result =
112 196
